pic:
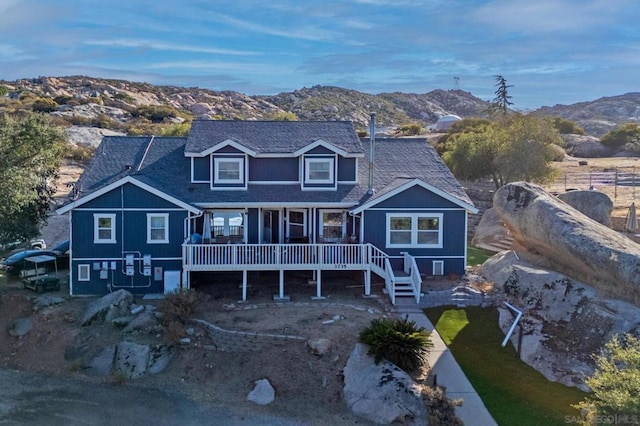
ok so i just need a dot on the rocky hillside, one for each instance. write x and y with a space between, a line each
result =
599 116
135 108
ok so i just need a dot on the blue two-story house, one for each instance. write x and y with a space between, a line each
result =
150 212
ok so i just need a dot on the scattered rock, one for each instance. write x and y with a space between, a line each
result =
137 309
46 300
20 327
262 393
381 393
145 322
319 346
131 359
159 358
108 307
103 363
122 321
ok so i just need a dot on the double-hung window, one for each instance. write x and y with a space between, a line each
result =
332 225
157 228
318 170
414 230
104 228
229 170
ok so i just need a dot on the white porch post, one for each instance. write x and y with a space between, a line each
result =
318 284
281 283
244 285
281 297
367 282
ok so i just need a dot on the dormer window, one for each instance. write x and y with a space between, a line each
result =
318 170
229 170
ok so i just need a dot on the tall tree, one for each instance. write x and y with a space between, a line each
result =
501 102
516 147
30 152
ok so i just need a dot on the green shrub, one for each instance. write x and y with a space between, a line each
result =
3 90
616 381
616 138
124 97
44 105
400 341
81 153
156 113
62 99
411 129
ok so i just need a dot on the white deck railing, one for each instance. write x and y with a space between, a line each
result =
261 257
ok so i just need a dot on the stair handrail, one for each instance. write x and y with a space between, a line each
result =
389 280
411 268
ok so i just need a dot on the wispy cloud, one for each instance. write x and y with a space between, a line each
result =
157 45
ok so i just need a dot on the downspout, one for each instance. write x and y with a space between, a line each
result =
515 322
372 150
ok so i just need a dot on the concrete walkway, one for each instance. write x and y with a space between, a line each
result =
448 372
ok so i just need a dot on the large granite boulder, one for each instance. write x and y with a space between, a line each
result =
585 147
564 321
381 393
490 231
571 242
597 205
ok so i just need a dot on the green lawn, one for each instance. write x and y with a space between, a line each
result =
477 256
514 393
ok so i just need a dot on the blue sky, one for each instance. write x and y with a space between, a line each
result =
551 51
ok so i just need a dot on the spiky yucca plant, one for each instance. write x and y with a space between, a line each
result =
400 341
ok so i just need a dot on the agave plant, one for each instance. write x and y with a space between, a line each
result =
400 341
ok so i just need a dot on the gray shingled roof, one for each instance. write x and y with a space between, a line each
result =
161 163
272 136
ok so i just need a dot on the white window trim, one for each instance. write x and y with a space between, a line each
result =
84 272
414 229
96 233
436 263
344 222
216 175
307 163
165 240
304 222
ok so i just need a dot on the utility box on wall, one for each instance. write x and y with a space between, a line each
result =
146 265
129 268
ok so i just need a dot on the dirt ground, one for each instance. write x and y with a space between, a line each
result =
308 387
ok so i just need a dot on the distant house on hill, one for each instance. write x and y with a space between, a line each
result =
152 213
445 122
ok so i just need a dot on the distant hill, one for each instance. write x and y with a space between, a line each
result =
131 107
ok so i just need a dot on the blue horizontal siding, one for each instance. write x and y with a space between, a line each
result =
117 279
420 200
274 169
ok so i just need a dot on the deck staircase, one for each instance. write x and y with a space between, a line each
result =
403 284
406 282
504 243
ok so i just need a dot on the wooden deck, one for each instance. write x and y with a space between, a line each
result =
300 257
274 257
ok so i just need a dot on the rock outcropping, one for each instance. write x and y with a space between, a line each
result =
597 205
381 393
572 242
564 321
